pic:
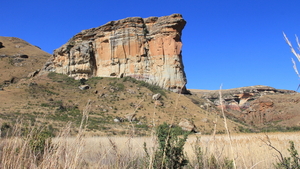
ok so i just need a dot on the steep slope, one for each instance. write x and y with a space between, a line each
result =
18 58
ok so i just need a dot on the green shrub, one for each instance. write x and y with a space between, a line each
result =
93 81
120 86
153 88
170 148
82 81
208 160
244 130
56 77
6 130
142 126
291 162
39 141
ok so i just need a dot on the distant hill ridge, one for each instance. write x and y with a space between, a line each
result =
19 58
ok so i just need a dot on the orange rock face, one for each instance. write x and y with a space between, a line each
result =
147 49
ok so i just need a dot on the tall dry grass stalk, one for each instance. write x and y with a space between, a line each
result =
226 127
15 151
295 53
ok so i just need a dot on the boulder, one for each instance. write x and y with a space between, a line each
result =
118 119
84 87
156 96
131 91
131 117
158 103
33 74
187 125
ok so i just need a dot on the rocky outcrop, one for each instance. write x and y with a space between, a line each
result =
256 105
239 98
280 110
147 49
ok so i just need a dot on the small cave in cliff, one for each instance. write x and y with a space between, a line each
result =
105 41
237 100
113 74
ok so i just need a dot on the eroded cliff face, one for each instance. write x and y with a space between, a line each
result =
255 105
147 49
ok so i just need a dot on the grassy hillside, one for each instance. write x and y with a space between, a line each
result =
52 100
18 58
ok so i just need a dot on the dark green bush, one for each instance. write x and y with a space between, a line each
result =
291 162
170 150
6 129
82 81
39 141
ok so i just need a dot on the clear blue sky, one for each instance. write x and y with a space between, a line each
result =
231 42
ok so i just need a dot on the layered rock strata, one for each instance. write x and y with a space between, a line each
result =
147 49
255 105
239 98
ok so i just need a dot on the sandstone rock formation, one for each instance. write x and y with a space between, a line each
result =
147 49
282 110
256 105
239 98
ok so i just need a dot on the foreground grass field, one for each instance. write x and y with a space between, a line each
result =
249 151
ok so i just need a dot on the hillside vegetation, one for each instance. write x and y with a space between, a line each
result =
53 99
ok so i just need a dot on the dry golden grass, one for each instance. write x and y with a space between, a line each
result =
249 149
82 151
115 152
